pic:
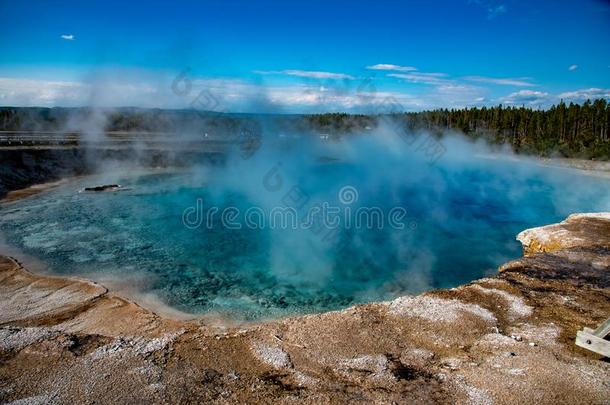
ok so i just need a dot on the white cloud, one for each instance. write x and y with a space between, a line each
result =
455 95
49 93
585 94
234 95
518 81
317 75
421 77
573 67
544 99
386 66
67 37
527 97
317 99
28 92
230 95
312 74
237 95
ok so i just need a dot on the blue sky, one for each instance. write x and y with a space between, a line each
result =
297 56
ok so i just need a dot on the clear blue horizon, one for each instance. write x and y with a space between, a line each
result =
314 56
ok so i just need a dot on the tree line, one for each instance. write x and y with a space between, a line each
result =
570 130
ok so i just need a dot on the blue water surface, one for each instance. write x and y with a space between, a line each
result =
462 218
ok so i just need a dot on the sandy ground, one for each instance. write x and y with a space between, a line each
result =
33 190
503 339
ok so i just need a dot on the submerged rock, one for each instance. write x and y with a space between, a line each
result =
106 187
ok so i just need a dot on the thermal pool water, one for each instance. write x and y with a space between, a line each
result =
460 217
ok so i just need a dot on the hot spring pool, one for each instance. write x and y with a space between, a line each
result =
462 215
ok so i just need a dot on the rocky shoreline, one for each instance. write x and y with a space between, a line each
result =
503 339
